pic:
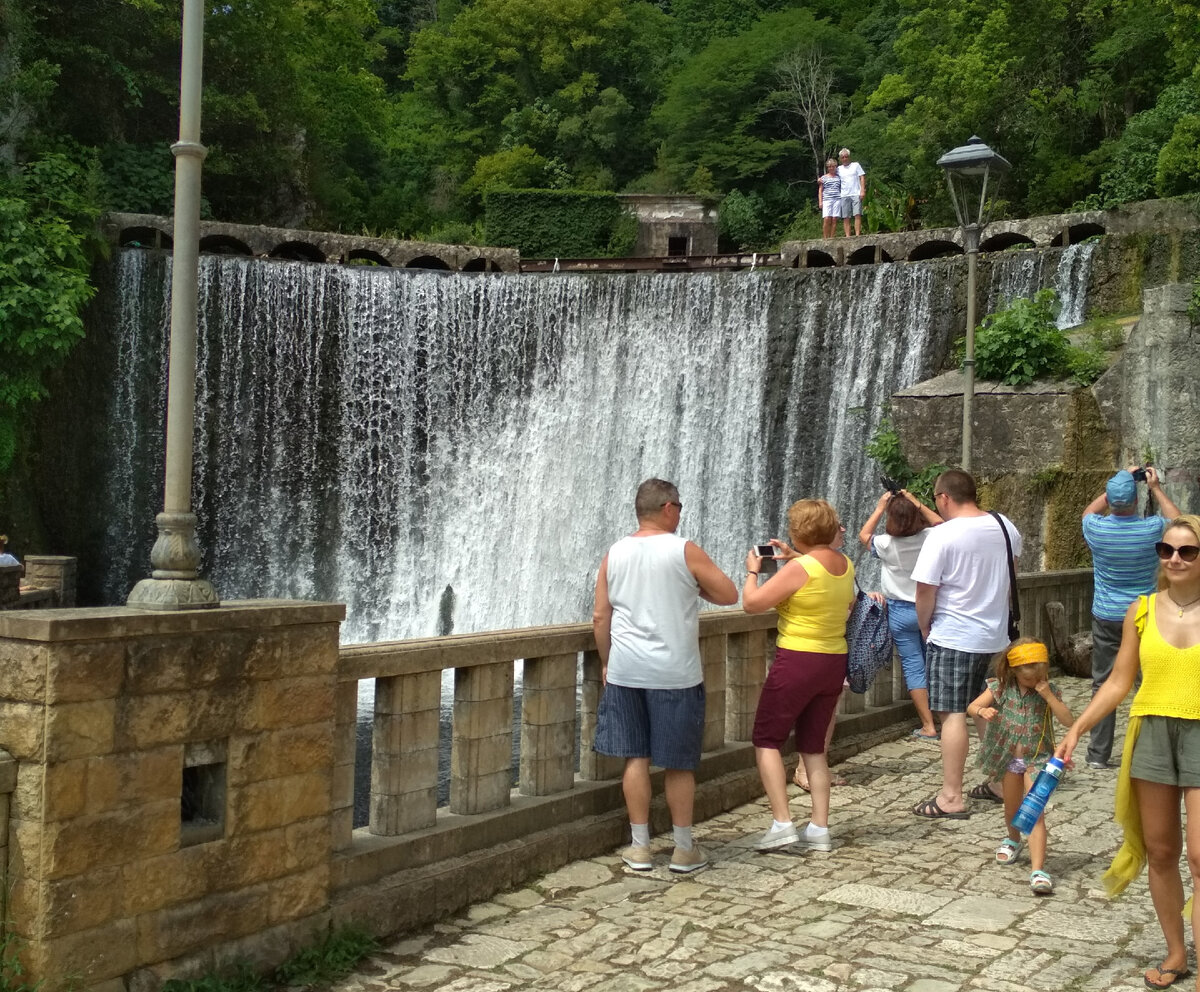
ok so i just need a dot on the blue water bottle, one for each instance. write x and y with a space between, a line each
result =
1034 803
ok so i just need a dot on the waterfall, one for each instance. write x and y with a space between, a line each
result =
1017 274
445 451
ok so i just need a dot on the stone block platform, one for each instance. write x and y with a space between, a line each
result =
901 904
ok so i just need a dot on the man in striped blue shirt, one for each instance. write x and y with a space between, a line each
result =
1125 567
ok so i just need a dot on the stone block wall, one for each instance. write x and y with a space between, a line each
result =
172 802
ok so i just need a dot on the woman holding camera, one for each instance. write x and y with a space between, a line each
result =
897 549
812 592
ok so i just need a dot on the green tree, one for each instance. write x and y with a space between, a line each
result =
726 108
572 80
47 219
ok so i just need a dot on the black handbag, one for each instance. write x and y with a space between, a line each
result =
1014 599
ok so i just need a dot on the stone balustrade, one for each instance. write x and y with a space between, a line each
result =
182 784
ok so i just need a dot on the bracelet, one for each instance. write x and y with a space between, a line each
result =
748 572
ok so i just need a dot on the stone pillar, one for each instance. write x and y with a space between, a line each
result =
548 725
345 741
880 693
481 749
745 672
173 789
852 702
404 753
593 767
55 572
712 658
10 585
8 782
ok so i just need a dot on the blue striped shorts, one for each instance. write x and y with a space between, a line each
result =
664 725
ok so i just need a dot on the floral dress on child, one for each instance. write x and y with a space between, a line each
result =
1021 728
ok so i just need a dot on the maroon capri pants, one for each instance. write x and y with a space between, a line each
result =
801 694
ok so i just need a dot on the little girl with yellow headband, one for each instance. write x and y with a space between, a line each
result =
1017 705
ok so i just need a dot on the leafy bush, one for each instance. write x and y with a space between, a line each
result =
1179 161
552 223
742 224
47 239
1021 342
884 448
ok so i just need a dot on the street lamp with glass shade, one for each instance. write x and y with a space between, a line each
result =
970 169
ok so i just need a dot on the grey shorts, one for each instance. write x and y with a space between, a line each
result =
664 725
955 677
851 206
1167 751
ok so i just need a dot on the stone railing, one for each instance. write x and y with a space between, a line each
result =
182 784
415 861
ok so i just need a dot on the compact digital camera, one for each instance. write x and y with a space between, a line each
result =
1139 474
893 487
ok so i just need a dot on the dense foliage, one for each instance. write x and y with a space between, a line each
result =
545 223
400 116
46 220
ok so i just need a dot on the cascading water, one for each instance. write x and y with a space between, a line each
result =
1022 273
456 452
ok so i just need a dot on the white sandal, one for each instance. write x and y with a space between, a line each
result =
1008 851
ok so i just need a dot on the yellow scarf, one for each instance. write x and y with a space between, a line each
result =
1131 858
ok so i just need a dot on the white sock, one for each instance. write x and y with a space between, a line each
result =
683 837
641 834
777 825
812 830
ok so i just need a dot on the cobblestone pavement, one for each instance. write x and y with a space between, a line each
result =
901 903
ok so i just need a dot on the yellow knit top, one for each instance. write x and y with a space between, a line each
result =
1170 675
814 617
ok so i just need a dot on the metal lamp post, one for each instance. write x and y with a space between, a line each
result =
968 170
175 582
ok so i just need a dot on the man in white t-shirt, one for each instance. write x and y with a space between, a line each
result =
648 636
962 607
854 191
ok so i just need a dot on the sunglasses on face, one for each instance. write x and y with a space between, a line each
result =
1186 552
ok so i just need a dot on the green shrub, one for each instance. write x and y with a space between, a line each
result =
884 448
555 223
741 223
1021 342
1179 161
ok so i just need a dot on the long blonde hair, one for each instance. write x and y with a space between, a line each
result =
1188 520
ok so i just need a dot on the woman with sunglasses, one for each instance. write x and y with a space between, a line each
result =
1161 763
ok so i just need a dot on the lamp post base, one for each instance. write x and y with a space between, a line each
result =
175 583
173 594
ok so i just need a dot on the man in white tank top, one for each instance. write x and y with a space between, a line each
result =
647 633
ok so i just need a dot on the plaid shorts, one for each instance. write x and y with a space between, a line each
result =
955 677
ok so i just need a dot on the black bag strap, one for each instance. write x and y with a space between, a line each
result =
1013 599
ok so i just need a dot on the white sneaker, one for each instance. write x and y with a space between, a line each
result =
637 857
821 843
773 838
684 861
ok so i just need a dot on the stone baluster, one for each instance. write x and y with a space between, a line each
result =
745 672
880 693
404 753
548 725
852 702
345 737
593 767
712 660
481 749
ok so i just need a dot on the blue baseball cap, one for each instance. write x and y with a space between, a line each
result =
1121 490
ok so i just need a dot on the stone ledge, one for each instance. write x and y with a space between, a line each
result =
103 622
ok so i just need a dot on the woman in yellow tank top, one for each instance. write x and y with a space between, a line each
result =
812 592
1161 761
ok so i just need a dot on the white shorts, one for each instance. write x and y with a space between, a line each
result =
831 208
